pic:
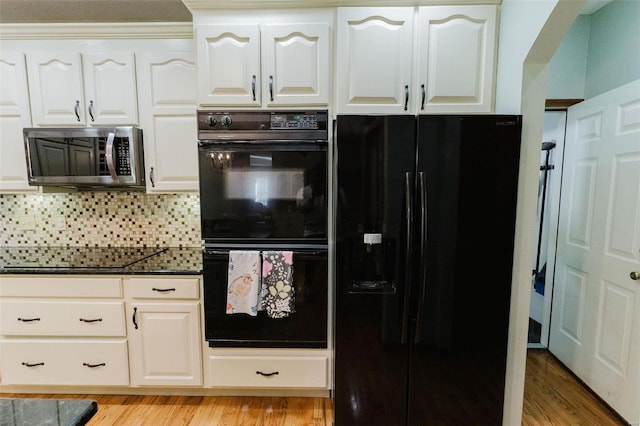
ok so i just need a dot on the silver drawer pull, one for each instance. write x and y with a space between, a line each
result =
163 290
102 364
275 373
28 319
26 364
90 320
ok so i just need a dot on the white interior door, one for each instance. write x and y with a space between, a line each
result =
595 323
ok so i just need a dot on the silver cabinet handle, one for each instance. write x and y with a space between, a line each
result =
271 87
109 156
91 110
253 87
406 97
635 276
424 96
76 109
151 178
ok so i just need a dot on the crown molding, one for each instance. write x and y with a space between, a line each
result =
91 30
213 5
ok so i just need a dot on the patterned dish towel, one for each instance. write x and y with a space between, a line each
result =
243 282
278 295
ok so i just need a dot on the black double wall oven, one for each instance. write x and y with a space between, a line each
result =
263 188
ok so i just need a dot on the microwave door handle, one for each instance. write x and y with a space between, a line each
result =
109 156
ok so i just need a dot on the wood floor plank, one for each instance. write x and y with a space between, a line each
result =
553 397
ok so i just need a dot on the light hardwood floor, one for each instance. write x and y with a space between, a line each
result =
553 397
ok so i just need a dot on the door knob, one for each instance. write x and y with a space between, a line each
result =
635 275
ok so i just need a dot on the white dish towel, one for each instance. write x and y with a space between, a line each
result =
243 282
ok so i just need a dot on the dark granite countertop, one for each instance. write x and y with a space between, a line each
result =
101 260
55 412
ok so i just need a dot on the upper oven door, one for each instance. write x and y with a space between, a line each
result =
263 192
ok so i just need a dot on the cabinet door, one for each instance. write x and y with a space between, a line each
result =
228 64
110 88
164 344
168 115
297 64
374 60
14 116
55 86
456 57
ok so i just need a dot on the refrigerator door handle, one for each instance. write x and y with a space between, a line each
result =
408 195
423 255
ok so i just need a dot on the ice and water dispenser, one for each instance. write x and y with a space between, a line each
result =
372 266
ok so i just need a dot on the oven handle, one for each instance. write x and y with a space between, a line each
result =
265 145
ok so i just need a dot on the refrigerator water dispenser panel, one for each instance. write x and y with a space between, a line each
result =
372 261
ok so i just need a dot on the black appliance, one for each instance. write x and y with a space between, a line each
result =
263 186
424 252
85 157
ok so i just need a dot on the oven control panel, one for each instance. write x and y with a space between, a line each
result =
262 125
294 121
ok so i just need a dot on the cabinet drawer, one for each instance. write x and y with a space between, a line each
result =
64 362
268 372
61 318
35 286
159 288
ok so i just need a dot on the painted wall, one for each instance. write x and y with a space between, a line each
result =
566 74
600 52
530 33
520 23
614 47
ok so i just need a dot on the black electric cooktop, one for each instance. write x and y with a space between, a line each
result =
74 257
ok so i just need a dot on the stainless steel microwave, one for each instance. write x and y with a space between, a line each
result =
89 157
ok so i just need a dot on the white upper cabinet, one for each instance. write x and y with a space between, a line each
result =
167 84
374 59
228 64
451 69
456 59
14 116
73 89
296 63
294 69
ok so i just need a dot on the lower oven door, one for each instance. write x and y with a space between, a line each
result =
305 328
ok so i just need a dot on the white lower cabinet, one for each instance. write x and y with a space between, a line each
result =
64 362
134 332
61 318
164 331
100 330
268 371
62 330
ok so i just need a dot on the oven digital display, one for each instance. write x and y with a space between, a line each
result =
294 121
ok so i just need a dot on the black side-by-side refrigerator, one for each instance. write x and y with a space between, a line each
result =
424 252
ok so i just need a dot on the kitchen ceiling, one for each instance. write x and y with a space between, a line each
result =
40 11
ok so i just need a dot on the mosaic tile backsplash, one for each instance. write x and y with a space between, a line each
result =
96 219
